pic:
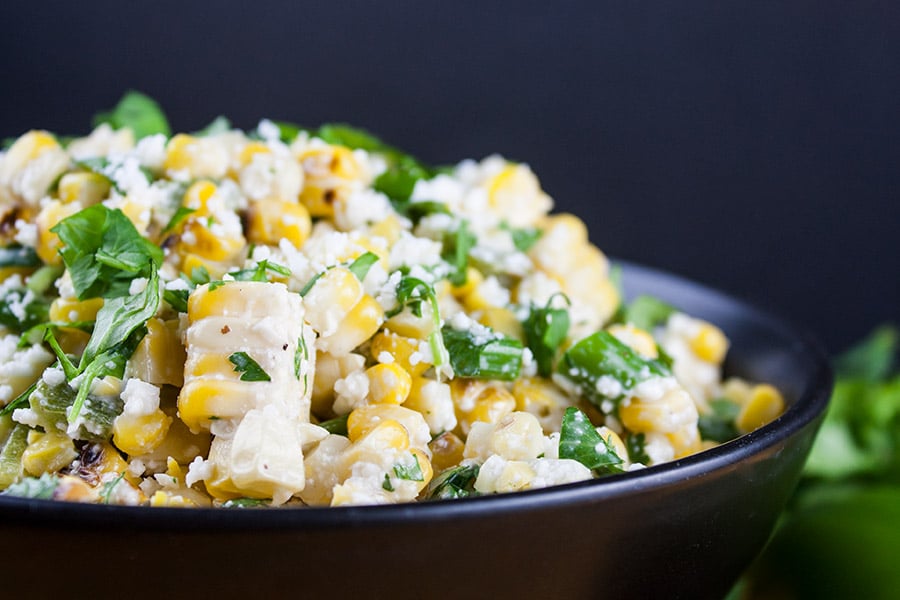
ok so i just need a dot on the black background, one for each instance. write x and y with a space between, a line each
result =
754 146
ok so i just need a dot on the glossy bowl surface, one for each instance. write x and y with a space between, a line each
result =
680 530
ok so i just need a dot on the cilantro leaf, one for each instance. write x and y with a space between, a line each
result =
647 312
718 425
41 488
249 368
104 252
455 482
220 124
138 112
361 265
337 425
18 256
545 330
409 472
496 357
456 252
579 440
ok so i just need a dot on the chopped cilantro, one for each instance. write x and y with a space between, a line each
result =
456 252
545 331
495 357
337 425
411 472
361 265
249 368
138 112
579 440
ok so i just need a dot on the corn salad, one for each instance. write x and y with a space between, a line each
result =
293 317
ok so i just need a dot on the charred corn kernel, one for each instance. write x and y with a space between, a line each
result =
612 438
637 339
474 278
48 242
72 310
136 435
400 349
764 405
328 171
367 418
159 357
518 436
737 390
709 344
491 404
671 413
446 451
434 401
360 324
101 462
271 220
542 399
685 441
197 196
502 320
200 238
195 157
331 298
84 188
47 452
328 370
388 384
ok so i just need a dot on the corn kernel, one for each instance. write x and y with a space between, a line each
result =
542 399
47 452
710 344
367 418
388 384
160 356
85 188
400 348
136 435
360 324
502 320
48 242
446 451
671 413
685 441
637 339
71 310
271 220
764 405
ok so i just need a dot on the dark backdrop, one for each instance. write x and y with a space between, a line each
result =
750 145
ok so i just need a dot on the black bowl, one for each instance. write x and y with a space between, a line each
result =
680 530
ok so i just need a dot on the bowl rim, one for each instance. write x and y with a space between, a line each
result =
808 406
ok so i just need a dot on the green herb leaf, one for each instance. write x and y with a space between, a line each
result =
177 299
545 330
11 455
104 252
138 112
261 272
360 267
109 487
601 354
647 312
249 368
718 425
180 215
456 252
523 238
409 472
579 440
872 359
220 124
21 401
288 132
455 482
40 488
19 256
386 484
636 444
337 425
309 284
416 211
21 309
471 355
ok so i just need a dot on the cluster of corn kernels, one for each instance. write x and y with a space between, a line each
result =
193 433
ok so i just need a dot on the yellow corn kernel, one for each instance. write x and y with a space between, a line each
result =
47 452
203 401
197 196
331 298
518 436
328 171
28 147
366 418
162 498
136 435
359 325
198 157
250 150
7 272
542 399
400 348
446 451
271 220
85 188
502 320
474 278
179 443
190 262
388 384
407 324
764 405
424 466
710 344
685 441
516 194
389 229
479 298
737 390
671 413
48 242
197 238
637 339
371 446
73 489
72 310
328 370
160 355
491 403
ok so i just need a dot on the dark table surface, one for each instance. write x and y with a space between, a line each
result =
752 146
